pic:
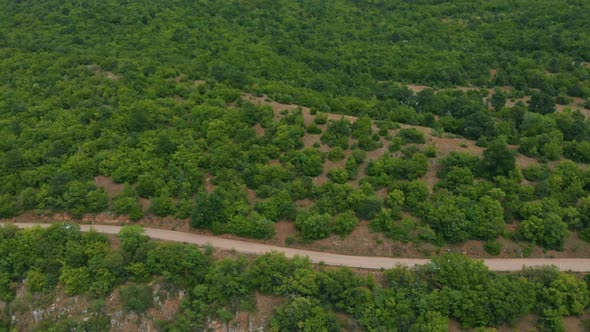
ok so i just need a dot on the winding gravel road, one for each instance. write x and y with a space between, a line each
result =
496 264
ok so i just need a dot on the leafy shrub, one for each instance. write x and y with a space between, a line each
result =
412 135
492 248
359 155
136 298
336 154
313 129
7 206
338 175
396 144
306 161
321 118
344 223
162 206
313 226
534 173
430 151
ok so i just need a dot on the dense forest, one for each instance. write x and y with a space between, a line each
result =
401 299
150 97
434 121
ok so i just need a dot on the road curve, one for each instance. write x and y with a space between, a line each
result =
365 262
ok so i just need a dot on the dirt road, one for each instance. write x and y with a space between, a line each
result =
499 264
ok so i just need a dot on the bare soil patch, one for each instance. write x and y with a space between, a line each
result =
260 131
511 102
417 88
493 73
574 324
265 308
309 140
110 187
181 225
431 177
362 241
575 104
209 186
103 73
446 145
279 107
276 106
145 204
283 231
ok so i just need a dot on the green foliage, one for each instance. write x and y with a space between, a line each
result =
153 95
339 175
396 144
431 321
457 179
149 185
271 271
547 145
344 223
458 159
321 118
352 168
303 314
313 129
430 151
498 99
453 286
80 198
534 173
567 295
136 298
385 169
255 226
162 205
336 154
7 206
126 202
134 243
396 198
478 125
182 265
337 133
161 106
493 248
578 151
307 161
416 194
227 280
213 210
313 226
498 160
548 231
458 218
359 155
412 135
366 206
75 280
279 206
541 103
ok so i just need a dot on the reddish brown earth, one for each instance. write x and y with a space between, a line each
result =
111 188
